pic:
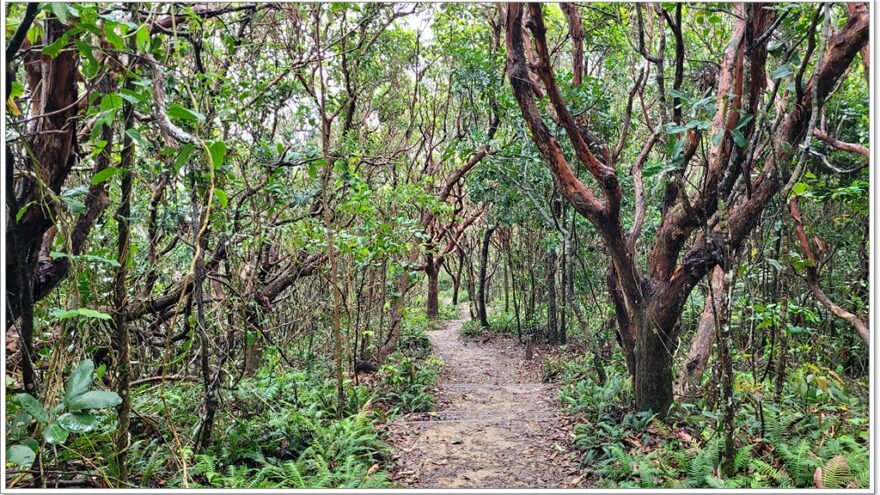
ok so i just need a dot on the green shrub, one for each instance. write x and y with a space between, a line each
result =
449 312
778 445
339 454
470 329
502 323
405 385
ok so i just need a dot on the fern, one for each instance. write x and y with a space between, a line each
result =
703 464
742 457
835 473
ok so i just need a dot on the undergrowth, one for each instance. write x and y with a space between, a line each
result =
471 329
280 428
800 441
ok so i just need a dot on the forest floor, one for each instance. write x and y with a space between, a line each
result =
496 425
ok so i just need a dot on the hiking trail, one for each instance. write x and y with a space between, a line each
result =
496 425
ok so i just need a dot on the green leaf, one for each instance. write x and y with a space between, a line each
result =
22 211
314 165
21 455
85 50
96 399
112 37
55 434
77 422
218 153
64 314
800 189
678 94
32 444
60 11
739 139
131 96
100 371
17 90
744 121
142 39
137 137
91 313
86 257
781 72
221 197
775 264
179 112
33 407
184 155
111 102
55 48
105 175
80 380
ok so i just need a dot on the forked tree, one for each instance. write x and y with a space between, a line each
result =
754 146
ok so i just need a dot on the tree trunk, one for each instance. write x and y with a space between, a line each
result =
432 269
652 382
506 288
484 261
471 286
563 303
550 273
625 329
701 347
120 293
456 281
513 290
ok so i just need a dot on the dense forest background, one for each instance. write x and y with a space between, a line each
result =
230 229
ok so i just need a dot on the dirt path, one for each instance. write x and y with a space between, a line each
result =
496 425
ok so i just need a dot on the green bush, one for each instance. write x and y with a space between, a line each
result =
502 323
787 444
470 329
405 385
449 312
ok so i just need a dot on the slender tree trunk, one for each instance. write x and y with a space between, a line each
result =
472 290
432 269
725 362
484 261
626 330
550 274
781 361
456 281
694 365
120 293
25 261
563 301
211 401
515 303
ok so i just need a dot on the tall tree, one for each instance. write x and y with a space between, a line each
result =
654 300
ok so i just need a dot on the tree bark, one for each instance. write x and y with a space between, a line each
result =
653 305
550 276
432 270
694 365
120 296
484 261
652 381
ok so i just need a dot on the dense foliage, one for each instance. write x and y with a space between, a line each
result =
230 226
